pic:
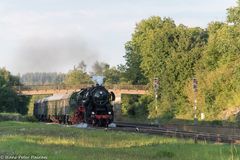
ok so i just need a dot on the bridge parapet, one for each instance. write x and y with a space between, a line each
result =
53 89
60 87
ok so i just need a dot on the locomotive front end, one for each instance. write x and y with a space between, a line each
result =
102 111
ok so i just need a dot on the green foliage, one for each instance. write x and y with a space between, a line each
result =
234 14
219 88
17 117
32 100
167 52
43 78
76 77
30 118
218 70
9 100
175 54
112 75
10 117
135 105
133 72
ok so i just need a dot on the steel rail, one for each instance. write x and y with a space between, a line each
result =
157 130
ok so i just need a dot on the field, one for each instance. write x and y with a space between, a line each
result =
67 143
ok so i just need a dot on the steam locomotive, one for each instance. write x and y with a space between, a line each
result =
92 105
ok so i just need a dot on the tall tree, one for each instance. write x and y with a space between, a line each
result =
234 14
218 71
112 75
9 100
133 72
168 52
76 77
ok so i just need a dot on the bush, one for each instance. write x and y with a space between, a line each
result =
11 117
16 117
135 105
217 123
31 119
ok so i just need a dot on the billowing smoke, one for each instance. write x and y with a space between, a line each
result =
99 67
54 54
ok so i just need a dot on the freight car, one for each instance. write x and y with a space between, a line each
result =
91 105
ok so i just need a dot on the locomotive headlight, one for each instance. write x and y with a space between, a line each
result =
109 112
93 113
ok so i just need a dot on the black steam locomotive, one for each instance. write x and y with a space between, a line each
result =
90 105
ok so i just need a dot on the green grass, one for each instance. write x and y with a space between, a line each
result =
67 143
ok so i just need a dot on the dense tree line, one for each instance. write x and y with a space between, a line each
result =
167 52
112 75
42 78
175 54
219 69
78 75
9 100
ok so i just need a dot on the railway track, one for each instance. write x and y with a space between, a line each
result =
173 132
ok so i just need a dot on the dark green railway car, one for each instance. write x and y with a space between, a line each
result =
58 107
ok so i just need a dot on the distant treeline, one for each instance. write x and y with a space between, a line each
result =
43 78
77 75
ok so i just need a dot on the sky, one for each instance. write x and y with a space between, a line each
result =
55 35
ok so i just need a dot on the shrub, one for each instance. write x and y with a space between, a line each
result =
11 117
16 117
30 118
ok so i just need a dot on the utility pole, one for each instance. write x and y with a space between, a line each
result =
195 89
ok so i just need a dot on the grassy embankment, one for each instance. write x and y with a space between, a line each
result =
61 143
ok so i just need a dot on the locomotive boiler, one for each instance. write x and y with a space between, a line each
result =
92 105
